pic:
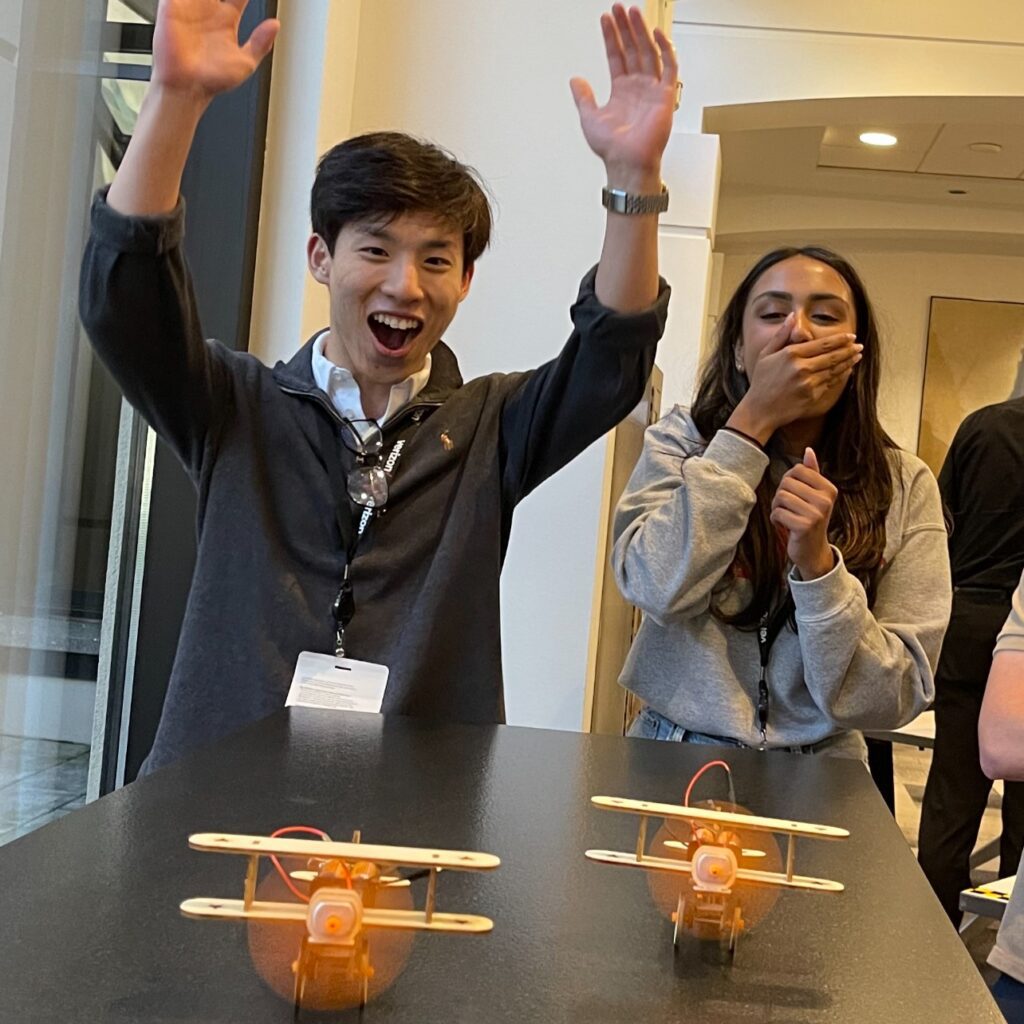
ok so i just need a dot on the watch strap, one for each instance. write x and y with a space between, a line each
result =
619 201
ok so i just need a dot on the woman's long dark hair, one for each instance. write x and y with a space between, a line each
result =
852 453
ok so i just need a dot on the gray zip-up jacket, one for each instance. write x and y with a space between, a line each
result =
676 528
270 551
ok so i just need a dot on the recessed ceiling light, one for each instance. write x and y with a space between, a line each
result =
985 147
878 139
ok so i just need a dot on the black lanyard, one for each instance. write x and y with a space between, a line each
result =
767 630
353 521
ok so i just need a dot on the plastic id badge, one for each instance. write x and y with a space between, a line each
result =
337 684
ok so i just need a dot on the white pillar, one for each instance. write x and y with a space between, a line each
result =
691 172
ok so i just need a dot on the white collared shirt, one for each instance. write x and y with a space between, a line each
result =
341 388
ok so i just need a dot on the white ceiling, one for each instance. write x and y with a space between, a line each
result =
797 169
928 160
957 150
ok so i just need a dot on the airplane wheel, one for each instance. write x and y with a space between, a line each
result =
366 972
737 927
689 911
300 979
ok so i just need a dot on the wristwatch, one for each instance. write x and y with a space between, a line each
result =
619 201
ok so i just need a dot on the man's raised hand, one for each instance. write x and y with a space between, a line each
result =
196 54
630 132
196 48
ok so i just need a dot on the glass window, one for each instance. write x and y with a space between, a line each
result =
71 81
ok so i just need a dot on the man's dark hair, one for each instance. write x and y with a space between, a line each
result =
381 175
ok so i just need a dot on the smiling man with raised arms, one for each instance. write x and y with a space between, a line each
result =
357 499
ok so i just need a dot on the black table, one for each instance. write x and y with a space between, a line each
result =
91 929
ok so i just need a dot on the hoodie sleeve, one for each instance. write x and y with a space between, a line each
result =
556 411
138 308
874 668
681 516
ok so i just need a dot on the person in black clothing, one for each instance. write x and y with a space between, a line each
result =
358 499
982 485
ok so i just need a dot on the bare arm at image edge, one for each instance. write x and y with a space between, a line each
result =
1001 725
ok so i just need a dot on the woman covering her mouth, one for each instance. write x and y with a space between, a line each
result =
789 558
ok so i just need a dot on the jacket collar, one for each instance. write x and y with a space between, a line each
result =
296 375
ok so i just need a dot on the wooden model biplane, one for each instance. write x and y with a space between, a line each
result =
345 881
715 861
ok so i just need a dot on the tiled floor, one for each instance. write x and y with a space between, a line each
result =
40 781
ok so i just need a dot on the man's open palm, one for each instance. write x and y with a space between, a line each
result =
632 129
196 47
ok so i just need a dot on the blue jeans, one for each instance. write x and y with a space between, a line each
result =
1009 994
650 725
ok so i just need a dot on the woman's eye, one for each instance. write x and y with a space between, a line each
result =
773 316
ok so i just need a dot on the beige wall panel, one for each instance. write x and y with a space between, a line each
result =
975 358
722 66
996 20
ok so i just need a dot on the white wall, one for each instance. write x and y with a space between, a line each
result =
770 50
761 216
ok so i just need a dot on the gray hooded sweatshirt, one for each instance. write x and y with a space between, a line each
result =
847 667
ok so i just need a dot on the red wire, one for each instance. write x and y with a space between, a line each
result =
288 830
699 773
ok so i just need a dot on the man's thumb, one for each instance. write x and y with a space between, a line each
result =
261 41
582 94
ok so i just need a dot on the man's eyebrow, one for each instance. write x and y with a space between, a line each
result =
439 243
384 235
816 297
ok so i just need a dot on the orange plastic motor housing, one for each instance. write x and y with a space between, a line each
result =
335 916
714 869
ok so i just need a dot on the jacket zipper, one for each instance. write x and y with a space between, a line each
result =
321 400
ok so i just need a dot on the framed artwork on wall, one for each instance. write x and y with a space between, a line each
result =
975 357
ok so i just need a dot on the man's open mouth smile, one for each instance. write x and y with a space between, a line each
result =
394 333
